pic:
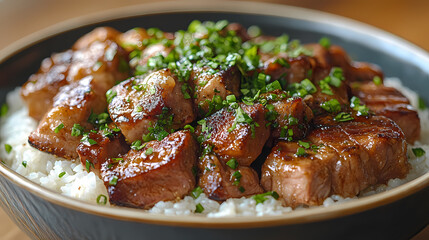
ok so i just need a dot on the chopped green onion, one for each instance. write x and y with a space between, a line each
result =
300 152
4 109
8 148
418 152
58 128
305 145
199 208
325 42
421 103
190 128
332 106
88 165
232 163
237 176
343 117
61 174
261 198
110 94
241 189
137 145
254 31
113 181
24 163
149 151
101 199
77 130
377 80
196 192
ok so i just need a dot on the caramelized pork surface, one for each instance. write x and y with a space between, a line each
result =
139 103
229 136
102 60
209 84
389 102
72 105
336 158
290 118
221 181
97 147
160 171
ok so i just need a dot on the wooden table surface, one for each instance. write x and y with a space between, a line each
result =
408 19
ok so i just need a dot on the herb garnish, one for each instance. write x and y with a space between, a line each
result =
418 152
261 198
8 148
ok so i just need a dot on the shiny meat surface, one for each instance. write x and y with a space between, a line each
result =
100 34
139 103
161 171
287 113
346 158
73 105
207 85
354 71
221 182
99 59
100 146
242 141
389 102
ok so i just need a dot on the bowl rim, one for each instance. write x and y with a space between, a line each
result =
137 215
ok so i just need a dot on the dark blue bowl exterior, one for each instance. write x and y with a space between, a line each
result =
42 219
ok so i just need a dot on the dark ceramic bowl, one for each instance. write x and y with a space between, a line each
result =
396 214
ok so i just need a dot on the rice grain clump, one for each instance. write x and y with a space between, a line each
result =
70 178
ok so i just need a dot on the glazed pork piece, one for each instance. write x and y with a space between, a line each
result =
236 133
221 180
336 158
102 60
389 102
159 171
97 147
72 105
139 104
209 84
290 117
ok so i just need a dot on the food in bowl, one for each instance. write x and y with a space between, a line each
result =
222 117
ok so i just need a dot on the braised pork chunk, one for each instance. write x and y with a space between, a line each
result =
212 86
160 171
221 180
96 148
389 102
236 133
139 103
102 60
336 158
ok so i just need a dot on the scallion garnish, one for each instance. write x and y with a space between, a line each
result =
232 163
421 103
331 106
8 148
4 109
58 128
101 199
261 198
343 117
149 151
199 208
377 80
196 192
325 42
418 152
24 163
300 152
77 130
113 181
61 174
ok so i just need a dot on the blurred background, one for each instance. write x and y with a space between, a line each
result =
18 18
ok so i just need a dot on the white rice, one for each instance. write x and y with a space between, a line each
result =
45 169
